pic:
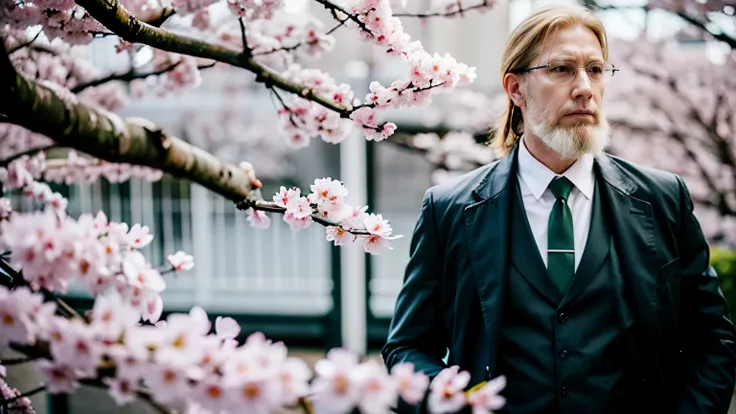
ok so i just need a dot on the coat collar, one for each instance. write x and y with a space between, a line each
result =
498 175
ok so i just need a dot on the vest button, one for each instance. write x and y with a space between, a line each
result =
562 317
563 389
563 354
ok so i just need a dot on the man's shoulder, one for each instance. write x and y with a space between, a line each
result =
651 184
459 189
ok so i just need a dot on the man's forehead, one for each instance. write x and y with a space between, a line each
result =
572 42
573 52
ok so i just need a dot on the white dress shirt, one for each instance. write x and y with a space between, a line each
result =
534 177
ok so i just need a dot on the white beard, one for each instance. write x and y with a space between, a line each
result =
571 143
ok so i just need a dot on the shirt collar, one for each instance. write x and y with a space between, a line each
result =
537 176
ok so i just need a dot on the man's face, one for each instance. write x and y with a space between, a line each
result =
554 107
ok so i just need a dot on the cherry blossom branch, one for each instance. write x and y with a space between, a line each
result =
32 151
334 8
67 310
5 402
116 18
304 405
283 104
41 350
5 267
17 361
18 280
157 21
130 76
246 49
142 394
110 137
25 44
721 35
461 10
271 207
300 44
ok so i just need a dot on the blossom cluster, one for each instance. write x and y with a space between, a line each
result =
185 366
78 169
178 362
429 74
20 404
173 73
327 200
15 140
58 63
272 42
54 249
61 19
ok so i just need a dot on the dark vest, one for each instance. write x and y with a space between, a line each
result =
567 353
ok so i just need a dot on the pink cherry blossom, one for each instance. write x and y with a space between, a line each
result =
122 390
139 236
378 390
180 261
258 219
226 328
487 399
411 385
447 391
19 405
339 236
58 376
376 224
336 388
15 322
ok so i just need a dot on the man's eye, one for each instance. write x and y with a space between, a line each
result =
560 69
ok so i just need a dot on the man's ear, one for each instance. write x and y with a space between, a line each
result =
514 87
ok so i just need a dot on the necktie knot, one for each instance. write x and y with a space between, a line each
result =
560 187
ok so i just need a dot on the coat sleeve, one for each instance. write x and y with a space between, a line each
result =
416 334
710 360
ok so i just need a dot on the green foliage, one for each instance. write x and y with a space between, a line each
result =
724 262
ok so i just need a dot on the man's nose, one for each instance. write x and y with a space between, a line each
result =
582 85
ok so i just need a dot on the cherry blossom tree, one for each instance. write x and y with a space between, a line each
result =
59 122
710 17
675 109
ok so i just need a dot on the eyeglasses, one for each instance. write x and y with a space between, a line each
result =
562 71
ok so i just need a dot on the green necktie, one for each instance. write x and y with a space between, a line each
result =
560 237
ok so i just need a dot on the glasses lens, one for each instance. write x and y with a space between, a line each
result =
600 71
564 71
561 71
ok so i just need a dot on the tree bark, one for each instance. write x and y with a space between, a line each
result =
56 113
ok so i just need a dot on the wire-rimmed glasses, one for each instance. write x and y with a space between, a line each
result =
563 71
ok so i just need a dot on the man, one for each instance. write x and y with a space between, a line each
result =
580 277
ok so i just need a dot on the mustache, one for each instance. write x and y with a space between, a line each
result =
565 111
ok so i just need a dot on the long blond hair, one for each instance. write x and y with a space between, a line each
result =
524 45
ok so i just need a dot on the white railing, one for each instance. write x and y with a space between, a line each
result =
238 269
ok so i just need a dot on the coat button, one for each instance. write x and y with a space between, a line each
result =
562 317
563 354
564 389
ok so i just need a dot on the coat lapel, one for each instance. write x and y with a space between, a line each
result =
487 226
632 225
